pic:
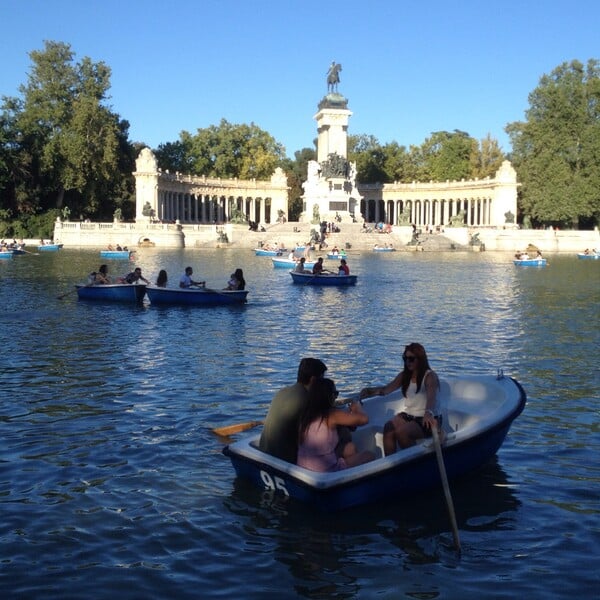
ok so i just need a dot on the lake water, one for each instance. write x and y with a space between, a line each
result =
112 484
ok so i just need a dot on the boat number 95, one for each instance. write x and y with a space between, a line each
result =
273 483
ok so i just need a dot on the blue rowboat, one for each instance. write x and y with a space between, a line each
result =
195 296
383 249
592 256
7 254
477 413
114 292
530 262
279 263
334 255
49 247
118 254
325 279
261 252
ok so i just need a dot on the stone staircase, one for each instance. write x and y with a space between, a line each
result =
350 237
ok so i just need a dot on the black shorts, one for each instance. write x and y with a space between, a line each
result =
419 422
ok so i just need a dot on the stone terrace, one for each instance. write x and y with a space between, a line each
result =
351 237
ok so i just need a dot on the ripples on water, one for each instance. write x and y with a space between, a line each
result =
112 483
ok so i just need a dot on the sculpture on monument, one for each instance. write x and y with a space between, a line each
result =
335 166
333 76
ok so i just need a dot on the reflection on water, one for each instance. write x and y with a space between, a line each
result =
109 471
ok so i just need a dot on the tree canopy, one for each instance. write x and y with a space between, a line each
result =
556 151
444 155
225 150
61 144
64 151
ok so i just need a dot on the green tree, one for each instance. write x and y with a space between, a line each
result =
296 172
369 156
447 155
67 144
226 150
556 151
486 159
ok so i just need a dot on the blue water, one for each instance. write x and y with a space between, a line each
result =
112 483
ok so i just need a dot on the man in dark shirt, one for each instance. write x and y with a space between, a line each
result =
280 432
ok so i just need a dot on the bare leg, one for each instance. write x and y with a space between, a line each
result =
408 433
389 438
359 458
399 432
349 450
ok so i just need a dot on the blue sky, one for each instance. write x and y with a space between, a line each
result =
409 68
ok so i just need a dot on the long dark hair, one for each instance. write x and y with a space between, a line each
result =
422 366
321 396
239 275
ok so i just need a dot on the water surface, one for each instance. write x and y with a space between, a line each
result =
112 483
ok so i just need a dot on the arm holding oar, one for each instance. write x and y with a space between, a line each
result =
186 280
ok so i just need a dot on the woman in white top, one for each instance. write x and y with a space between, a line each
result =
420 386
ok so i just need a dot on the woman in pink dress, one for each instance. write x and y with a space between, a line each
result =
318 436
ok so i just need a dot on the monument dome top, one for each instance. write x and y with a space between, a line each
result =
333 100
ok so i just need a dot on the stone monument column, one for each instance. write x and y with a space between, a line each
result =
330 192
146 183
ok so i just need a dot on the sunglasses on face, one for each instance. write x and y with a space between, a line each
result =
409 358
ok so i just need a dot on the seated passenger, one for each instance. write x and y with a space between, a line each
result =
318 435
420 386
161 280
343 269
186 280
280 431
318 268
300 266
99 277
134 276
236 281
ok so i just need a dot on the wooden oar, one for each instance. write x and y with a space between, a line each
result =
237 428
66 294
73 291
444 477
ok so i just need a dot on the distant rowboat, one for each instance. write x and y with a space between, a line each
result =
263 252
195 296
530 262
289 263
324 279
49 247
118 254
114 292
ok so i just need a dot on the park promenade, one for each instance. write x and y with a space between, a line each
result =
290 234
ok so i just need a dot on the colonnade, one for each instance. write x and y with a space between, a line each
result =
210 208
189 199
474 211
488 202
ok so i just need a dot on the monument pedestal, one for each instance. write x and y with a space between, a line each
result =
330 191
